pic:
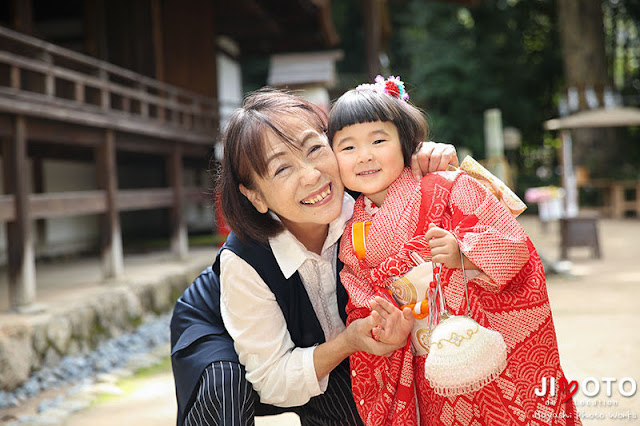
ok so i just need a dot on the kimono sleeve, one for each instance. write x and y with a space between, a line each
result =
490 237
357 282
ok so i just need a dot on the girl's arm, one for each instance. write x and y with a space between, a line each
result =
445 249
392 325
489 236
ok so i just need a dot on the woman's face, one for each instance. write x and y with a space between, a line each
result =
302 186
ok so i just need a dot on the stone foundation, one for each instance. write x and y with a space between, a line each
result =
30 342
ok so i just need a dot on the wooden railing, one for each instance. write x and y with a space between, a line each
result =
90 91
615 196
73 203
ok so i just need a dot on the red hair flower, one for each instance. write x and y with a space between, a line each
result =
392 86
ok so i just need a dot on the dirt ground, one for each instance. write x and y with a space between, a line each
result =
596 309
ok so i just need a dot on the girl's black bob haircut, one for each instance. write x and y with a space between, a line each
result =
366 106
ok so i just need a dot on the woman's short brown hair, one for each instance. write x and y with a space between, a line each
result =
264 112
366 106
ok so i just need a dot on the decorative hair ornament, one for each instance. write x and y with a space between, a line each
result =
392 86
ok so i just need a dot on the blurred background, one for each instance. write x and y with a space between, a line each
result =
111 111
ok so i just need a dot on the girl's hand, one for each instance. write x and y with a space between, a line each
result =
444 247
394 325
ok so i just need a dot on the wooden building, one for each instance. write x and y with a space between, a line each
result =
109 111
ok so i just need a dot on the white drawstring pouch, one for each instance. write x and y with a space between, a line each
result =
463 355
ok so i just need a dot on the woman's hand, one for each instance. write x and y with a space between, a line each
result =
392 328
394 325
358 336
432 157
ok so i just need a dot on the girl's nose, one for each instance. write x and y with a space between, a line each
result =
365 156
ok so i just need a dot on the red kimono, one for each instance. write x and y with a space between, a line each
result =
509 296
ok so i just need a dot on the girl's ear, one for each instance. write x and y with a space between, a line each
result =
254 198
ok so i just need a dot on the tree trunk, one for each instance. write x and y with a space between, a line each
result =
585 66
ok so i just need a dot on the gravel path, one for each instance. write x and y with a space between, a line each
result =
52 394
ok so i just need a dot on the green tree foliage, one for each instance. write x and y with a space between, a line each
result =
621 22
460 61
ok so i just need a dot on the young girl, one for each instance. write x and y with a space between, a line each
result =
374 131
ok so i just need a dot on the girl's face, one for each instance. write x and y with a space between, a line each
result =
302 186
370 157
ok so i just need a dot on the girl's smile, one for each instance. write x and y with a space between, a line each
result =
368 173
370 157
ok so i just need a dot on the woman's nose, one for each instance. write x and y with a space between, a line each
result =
309 173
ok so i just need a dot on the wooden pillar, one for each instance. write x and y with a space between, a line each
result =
144 105
112 257
22 16
638 200
95 28
38 188
156 35
617 200
179 62
49 78
21 252
15 77
569 176
105 94
179 243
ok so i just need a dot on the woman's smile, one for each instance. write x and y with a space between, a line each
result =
303 186
320 197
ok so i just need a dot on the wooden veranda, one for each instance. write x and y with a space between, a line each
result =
55 101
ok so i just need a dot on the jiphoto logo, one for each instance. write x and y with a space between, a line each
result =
590 387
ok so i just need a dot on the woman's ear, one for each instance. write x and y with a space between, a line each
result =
254 198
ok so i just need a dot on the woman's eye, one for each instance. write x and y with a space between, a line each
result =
315 148
280 170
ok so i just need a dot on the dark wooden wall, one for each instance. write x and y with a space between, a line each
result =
189 45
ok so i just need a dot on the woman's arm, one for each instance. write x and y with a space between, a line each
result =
281 373
357 337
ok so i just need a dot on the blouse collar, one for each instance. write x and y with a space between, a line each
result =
291 253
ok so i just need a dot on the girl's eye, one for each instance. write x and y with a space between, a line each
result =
378 141
347 148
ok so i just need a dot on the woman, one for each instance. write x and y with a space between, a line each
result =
272 302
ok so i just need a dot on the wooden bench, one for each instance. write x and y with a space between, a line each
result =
579 231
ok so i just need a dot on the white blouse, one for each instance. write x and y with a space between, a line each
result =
281 373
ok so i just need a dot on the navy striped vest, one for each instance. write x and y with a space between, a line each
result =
198 336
